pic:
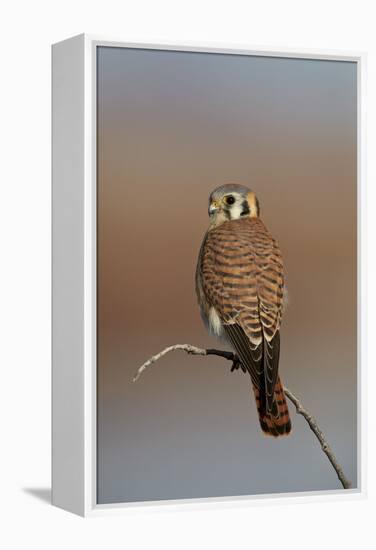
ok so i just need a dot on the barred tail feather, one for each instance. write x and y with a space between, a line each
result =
277 421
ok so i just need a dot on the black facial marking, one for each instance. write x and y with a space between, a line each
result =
257 207
245 208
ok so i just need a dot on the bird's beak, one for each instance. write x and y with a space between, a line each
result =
214 206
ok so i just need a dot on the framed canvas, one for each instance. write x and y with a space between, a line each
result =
226 182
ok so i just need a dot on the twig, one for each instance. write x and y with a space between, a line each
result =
193 350
320 436
183 347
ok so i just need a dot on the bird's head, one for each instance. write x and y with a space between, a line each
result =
231 202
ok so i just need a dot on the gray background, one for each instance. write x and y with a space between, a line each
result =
171 127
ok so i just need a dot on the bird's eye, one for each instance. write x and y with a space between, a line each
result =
230 199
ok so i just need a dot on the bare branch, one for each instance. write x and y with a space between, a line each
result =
182 347
320 436
193 350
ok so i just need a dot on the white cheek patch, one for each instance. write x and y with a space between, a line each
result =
236 211
215 322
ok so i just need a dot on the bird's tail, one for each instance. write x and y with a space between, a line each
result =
277 421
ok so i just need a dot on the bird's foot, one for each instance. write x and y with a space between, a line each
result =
236 364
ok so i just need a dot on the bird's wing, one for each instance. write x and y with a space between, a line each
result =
250 356
271 286
242 278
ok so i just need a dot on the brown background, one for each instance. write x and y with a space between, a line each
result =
171 127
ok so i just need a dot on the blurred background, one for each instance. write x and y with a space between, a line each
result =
171 127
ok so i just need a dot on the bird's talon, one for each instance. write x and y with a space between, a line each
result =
236 365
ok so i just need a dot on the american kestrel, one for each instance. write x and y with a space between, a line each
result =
240 287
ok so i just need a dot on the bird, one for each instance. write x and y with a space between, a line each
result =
240 291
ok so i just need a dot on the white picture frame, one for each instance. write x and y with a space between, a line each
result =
74 275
